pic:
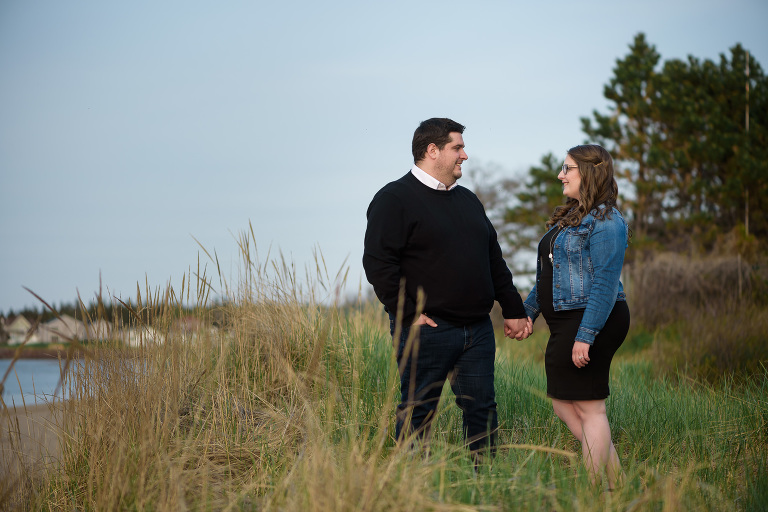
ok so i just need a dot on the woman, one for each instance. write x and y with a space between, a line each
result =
582 299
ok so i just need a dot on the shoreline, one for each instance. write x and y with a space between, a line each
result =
36 353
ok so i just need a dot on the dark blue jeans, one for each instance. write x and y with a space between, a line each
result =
466 354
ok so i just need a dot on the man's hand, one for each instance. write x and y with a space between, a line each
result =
518 328
424 319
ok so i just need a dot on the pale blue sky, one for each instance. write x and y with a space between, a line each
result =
128 128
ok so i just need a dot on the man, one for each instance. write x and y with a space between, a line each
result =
434 236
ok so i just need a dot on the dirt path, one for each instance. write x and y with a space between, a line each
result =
29 437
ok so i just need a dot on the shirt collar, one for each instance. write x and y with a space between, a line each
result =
430 180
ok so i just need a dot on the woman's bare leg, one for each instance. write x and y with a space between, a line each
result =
565 410
588 422
599 453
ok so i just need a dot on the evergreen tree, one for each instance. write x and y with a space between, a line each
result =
534 204
680 137
629 132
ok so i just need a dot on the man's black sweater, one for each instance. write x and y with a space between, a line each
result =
442 242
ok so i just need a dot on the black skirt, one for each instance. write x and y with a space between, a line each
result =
565 381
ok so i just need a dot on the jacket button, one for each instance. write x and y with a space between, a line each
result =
557 286
557 266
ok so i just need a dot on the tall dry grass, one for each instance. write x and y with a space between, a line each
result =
289 405
235 417
708 315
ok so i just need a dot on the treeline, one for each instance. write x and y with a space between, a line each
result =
690 144
73 309
691 140
113 312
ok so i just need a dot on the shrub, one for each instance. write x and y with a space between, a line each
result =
709 315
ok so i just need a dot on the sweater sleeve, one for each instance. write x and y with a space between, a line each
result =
386 236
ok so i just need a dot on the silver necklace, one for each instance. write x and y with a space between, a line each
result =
552 244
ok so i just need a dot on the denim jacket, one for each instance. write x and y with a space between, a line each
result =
587 261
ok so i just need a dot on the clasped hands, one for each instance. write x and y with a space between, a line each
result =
518 328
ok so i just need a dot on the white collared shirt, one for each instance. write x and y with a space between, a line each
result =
430 180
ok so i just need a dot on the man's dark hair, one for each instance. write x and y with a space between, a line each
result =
436 130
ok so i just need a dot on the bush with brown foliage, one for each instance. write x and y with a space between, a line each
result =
709 314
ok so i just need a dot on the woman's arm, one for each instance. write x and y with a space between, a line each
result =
607 243
532 307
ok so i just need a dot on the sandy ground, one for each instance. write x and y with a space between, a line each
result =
29 438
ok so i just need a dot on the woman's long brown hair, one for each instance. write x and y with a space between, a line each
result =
598 186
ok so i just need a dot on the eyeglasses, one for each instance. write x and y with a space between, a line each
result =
565 168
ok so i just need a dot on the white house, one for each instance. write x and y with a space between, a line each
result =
61 330
140 336
20 329
99 330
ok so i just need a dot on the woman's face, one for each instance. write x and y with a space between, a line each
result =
570 180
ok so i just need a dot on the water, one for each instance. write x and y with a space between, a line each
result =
39 378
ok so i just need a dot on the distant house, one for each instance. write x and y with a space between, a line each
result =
187 327
99 330
140 336
61 330
20 329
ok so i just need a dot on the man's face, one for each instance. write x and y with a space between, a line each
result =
449 160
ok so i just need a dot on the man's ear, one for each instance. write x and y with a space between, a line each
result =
432 150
